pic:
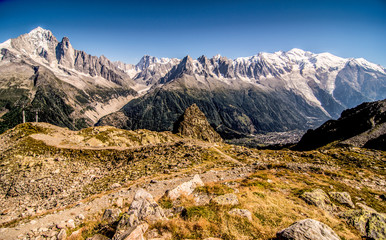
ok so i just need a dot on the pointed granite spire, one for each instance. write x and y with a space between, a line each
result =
194 124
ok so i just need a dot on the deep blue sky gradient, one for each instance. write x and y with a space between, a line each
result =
127 30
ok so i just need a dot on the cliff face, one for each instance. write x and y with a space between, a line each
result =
193 124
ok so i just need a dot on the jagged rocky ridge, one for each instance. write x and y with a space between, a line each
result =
362 126
267 92
68 87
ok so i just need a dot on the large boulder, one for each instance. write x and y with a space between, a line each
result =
308 229
318 198
143 208
193 124
370 224
185 188
343 198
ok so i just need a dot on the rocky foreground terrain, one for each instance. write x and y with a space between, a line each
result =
108 183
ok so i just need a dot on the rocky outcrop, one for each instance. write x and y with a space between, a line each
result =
185 188
319 199
370 224
307 229
343 198
193 124
143 208
364 125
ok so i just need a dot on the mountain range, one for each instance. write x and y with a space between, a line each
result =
267 92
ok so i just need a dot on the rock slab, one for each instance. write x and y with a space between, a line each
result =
307 229
185 188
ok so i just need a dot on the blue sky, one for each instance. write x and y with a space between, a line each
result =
127 30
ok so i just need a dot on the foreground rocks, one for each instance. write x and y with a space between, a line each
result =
370 224
307 229
143 208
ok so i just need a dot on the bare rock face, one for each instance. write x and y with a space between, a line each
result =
185 188
143 208
320 199
307 229
194 124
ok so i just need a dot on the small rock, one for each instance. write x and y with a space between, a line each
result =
244 213
119 202
153 181
185 188
70 224
307 229
365 207
115 185
61 225
226 199
33 222
81 217
201 199
76 234
62 234
134 233
343 198
43 229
